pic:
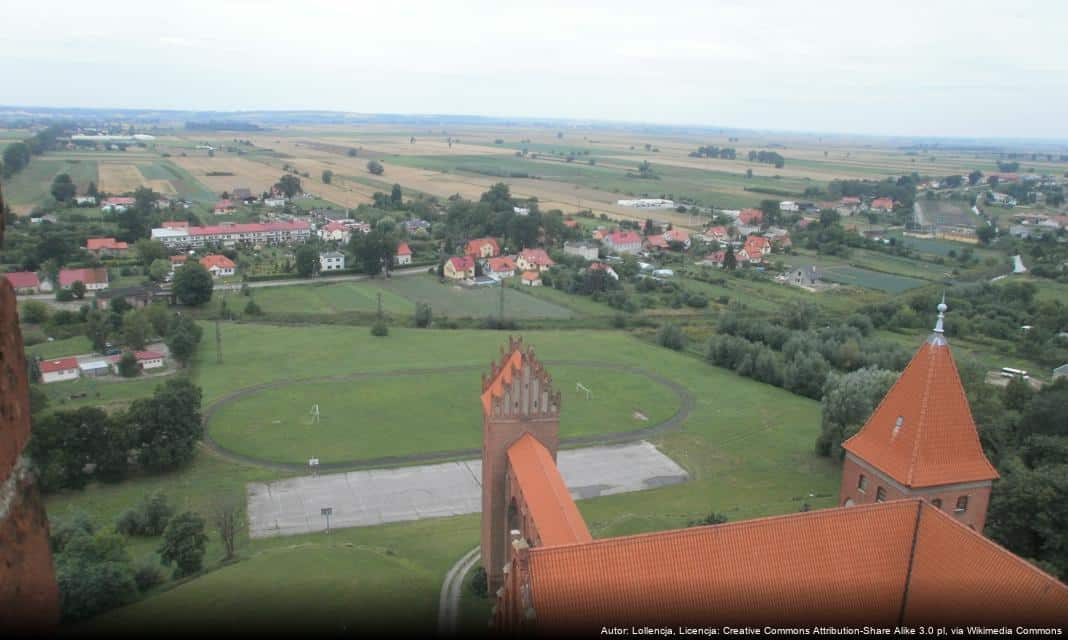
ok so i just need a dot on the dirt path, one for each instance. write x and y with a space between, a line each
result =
452 589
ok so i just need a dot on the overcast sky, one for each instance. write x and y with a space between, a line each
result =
928 68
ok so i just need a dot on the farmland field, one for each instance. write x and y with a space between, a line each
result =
32 185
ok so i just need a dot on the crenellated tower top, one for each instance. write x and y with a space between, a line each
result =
518 386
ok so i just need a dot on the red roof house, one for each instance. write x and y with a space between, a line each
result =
883 204
751 216
106 246
756 247
623 241
23 281
482 248
503 266
224 206
534 260
218 265
91 278
460 268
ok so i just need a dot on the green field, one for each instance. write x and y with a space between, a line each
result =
454 301
408 414
330 298
747 446
836 270
32 185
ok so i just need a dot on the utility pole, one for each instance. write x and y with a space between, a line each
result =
500 303
218 342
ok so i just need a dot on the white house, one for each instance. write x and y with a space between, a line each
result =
331 261
59 370
404 254
274 202
586 250
788 205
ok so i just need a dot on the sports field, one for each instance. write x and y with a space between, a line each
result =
747 447
409 413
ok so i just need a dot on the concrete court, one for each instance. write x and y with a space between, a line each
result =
364 498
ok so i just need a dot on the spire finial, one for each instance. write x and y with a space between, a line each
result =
941 314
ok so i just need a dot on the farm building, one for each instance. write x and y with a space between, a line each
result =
331 261
59 370
457 268
789 206
404 254
534 260
482 248
106 247
500 267
582 249
93 279
23 282
531 278
647 203
623 241
220 266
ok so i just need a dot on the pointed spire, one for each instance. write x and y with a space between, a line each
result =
938 338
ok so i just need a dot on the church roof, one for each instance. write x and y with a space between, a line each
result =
922 433
552 510
886 563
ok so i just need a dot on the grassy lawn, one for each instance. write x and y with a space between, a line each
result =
330 298
836 270
747 446
32 185
73 346
454 301
109 393
383 416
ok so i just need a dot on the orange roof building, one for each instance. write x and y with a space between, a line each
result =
482 248
900 558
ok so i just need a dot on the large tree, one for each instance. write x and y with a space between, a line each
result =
184 543
193 284
63 188
374 251
375 167
307 258
135 329
848 401
289 185
183 336
167 425
97 329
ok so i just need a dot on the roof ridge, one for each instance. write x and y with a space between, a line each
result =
741 524
922 422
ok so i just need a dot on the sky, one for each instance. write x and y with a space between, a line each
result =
930 68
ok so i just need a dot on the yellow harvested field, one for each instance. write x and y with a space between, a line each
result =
125 178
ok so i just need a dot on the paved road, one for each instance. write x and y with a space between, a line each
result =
377 496
452 589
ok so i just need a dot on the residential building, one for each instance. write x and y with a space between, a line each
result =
335 231
756 247
230 234
242 194
789 206
531 278
583 249
117 204
224 207
145 360
623 241
107 247
499 267
656 243
23 282
274 202
883 205
755 217
331 261
175 224
533 260
220 266
59 370
178 260
679 236
804 276
460 268
600 266
93 279
715 233
403 255
482 248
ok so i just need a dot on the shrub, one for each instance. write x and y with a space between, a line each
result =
479 583
64 295
619 321
34 311
128 366
671 336
697 301
712 518
147 576
423 315
379 329
252 308
146 519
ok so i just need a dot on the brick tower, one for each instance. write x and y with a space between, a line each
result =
29 596
517 398
921 442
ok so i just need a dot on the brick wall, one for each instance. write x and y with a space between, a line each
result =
29 596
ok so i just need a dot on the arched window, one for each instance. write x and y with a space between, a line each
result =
962 504
880 494
937 502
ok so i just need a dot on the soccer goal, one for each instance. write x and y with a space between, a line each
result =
315 414
581 387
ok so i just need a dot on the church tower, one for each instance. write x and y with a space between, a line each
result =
921 441
517 398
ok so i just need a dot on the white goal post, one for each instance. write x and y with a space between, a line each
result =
581 387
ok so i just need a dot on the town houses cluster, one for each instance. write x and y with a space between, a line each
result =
483 263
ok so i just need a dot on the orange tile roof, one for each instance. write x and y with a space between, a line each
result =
531 276
216 260
537 256
801 568
960 575
474 247
503 377
96 244
554 513
501 264
872 564
922 433
403 249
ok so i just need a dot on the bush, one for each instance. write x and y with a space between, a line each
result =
34 311
253 309
671 336
697 301
379 329
33 336
479 583
147 519
147 576
64 295
128 365
619 321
